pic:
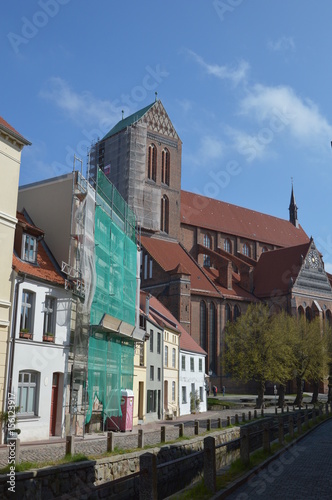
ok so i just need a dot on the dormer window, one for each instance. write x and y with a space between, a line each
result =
29 248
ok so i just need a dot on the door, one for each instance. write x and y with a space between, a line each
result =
54 403
140 400
166 395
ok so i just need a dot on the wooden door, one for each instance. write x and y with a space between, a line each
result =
54 403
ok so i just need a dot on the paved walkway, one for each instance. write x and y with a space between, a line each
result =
304 472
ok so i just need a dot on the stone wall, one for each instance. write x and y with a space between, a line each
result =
99 478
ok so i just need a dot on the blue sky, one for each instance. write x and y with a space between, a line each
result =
246 83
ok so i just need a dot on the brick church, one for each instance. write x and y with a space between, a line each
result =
205 259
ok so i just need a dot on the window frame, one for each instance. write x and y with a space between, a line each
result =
50 309
29 309
30 386
26 249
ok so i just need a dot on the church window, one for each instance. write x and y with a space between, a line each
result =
165 166
152 162
207 244
203 324
237 313
227 245
228 313
264 249
164 214
246 250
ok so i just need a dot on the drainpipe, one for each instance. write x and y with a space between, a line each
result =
12 338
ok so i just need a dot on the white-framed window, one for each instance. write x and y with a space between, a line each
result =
151 372
49 315
200 365
183 362
29 248
166 355
150 268
151 340
192 364
27 392
159 374
184 394
173 358
246 249
227 245
27 311
173 391
158 342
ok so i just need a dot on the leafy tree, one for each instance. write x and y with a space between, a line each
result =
311 349
256 348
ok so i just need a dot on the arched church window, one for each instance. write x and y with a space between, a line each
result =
164 214
152 162
202 324
246 250
207 244
228 313
165 166
227 245
237 312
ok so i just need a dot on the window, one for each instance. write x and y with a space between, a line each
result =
200 365
27 392
49 315
151 372
237 312
29 248
150 268
212 338
264 249
27 307
151 401
141 354
173 391
201 394
152 162
166 355
159 374
184 394
145 266
164 214
151 340
192 364
207 244
203 324
165 166
227 245
228 313
246 250
183 363
158 342
173 358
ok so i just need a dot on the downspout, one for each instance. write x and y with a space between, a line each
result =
12 338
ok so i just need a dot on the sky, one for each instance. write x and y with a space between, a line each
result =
246 83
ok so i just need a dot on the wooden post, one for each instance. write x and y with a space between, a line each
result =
243 417
140 443
249 415
255 414
110 441
181 430
162 434
219 423
148 477
196 427
208 424
70 445
244 446
210 464
236 419
228 421
266 438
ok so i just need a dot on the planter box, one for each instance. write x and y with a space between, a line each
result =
48 338
25 335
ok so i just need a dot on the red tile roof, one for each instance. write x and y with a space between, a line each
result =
237 293
45 269
5 125
275 269
163 316
219 216
169 255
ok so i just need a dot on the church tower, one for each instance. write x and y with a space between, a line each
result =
141 156
293 210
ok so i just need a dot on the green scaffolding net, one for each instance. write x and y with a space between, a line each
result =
110 369
110 357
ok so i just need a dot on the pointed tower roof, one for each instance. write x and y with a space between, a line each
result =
126 122
293 209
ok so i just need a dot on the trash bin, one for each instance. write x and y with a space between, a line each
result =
125 422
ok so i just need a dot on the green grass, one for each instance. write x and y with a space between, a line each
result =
25 466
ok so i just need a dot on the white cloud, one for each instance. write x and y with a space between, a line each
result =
252 147
210 150
185 104
82 108
284 43
281 109
234 74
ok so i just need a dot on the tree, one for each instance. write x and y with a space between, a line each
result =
311 349
256 348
